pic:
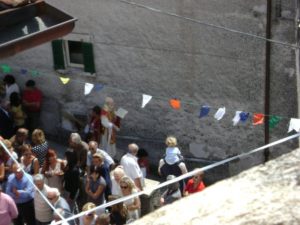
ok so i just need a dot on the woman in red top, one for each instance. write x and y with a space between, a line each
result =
194 184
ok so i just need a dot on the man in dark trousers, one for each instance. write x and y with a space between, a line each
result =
6 121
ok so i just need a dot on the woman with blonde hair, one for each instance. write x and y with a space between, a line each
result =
133 205
89 218
40 145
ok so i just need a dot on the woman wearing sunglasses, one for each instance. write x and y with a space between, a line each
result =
133 205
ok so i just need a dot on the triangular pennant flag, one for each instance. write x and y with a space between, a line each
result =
273 121
88 88
23 71
244 116
5 68
204 111
175 103
35 73
294 125
236 118
64 80
220 113
146 100
258 118
98 87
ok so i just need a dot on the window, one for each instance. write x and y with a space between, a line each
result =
69 53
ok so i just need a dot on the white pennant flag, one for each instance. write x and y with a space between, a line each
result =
146 100
236 118
88 88
294 125
220 113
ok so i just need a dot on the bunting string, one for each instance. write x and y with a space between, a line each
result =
175 103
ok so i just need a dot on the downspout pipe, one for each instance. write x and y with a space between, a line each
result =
267 78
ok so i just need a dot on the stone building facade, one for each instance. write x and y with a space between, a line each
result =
142 51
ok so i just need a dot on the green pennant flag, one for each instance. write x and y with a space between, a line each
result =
5 68
35 73
274 120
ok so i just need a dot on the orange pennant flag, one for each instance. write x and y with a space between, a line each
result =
175 103
258 118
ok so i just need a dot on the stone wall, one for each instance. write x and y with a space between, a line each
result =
140 51
266 194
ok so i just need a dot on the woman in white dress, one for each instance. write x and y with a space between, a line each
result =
53 170
133 205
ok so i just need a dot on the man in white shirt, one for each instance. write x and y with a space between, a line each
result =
43 212
131 166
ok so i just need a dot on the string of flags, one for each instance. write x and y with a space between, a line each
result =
175 103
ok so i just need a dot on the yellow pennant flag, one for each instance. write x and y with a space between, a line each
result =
64 80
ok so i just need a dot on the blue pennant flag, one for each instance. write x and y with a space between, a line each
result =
23 71
204 111
244 116
98 87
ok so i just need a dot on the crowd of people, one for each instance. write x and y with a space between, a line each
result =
35 181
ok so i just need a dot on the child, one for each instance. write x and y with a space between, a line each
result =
173 154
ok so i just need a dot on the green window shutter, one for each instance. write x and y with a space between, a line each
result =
58 54
88 57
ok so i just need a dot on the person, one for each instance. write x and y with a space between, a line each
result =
133 205
11 157
103 219
80 149
32 101
20 187
194 184
131 166
40 145
6 121
29 162
176 169
143 161
8 208
57 217
57 201
94 125
173 154
43 212
16 109
89 218
172 193
95 186
93 148
117 174
4 159
110 124
98 162
19 139
71 176
119 213
6 4
53 170
11 85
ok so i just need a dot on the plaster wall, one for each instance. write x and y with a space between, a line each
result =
139 51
